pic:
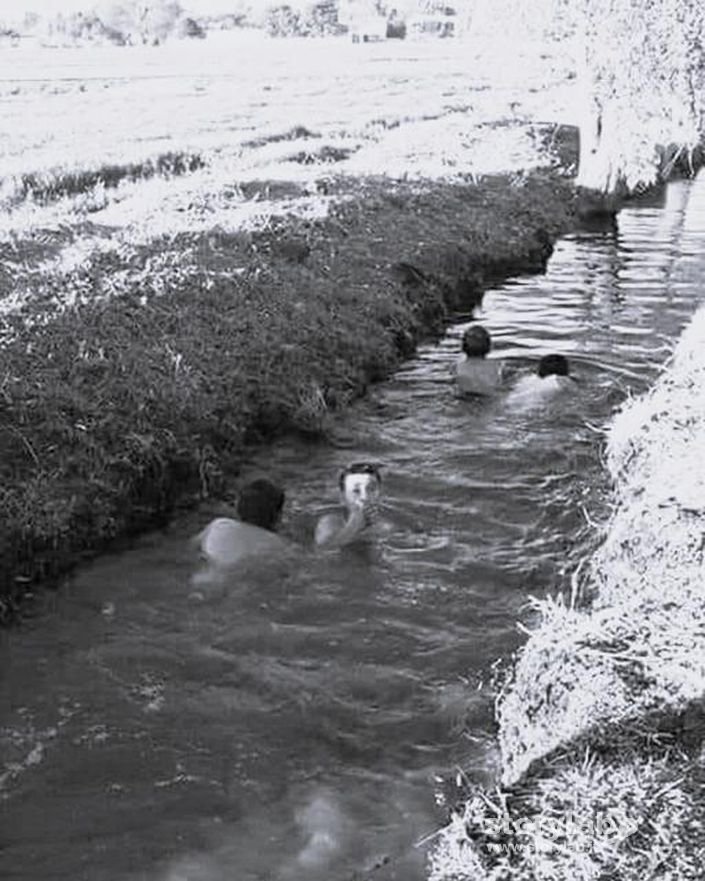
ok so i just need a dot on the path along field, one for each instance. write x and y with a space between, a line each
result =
210 242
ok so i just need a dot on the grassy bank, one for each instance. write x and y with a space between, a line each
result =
114 412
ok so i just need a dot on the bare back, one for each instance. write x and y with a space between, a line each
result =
533 391
226 542
477 376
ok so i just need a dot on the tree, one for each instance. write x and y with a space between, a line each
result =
190 28
118 20
158 19
641 77
307 19
140 22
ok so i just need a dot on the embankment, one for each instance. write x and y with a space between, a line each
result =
115 412
602 722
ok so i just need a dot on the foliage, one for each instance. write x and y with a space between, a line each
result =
118 21
189 27
641 70
141 22
313 20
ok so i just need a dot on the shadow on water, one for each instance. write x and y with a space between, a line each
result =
289 723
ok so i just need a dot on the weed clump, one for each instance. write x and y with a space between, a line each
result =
51 186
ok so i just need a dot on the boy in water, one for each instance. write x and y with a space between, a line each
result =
225 542
476 375
360 488
552 377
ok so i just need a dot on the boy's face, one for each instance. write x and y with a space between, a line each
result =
361 490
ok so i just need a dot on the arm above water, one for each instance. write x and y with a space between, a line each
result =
333 531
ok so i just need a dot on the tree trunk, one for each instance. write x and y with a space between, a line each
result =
598 165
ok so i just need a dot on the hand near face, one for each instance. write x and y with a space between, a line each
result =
361 491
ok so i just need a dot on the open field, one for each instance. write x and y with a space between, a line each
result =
106 150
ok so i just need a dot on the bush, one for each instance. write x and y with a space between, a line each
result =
190 28
317 20
131 22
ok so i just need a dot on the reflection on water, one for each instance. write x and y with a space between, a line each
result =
288 723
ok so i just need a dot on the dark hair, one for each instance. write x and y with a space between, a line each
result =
260 503
359 468
553 365
476 341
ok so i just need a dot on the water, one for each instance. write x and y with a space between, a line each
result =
290 723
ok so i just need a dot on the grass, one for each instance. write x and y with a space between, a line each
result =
632 810
115 411
50 187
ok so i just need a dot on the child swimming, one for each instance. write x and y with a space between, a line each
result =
360 487
551 379
475 375
226 541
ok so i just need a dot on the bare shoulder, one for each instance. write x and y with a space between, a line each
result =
224 541
534 391
328 527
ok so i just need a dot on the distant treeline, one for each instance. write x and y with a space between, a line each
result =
129 22
136 22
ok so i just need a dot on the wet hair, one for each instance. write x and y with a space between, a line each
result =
476 341
359 468
260 503
553 365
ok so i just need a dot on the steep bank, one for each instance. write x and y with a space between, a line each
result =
116 412
602 721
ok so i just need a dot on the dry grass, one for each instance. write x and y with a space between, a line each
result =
635 816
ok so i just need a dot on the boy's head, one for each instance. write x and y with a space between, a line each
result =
260 503
360 484
476 341
553 365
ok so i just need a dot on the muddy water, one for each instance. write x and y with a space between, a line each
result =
290 722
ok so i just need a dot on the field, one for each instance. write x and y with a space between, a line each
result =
109 149
210 242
